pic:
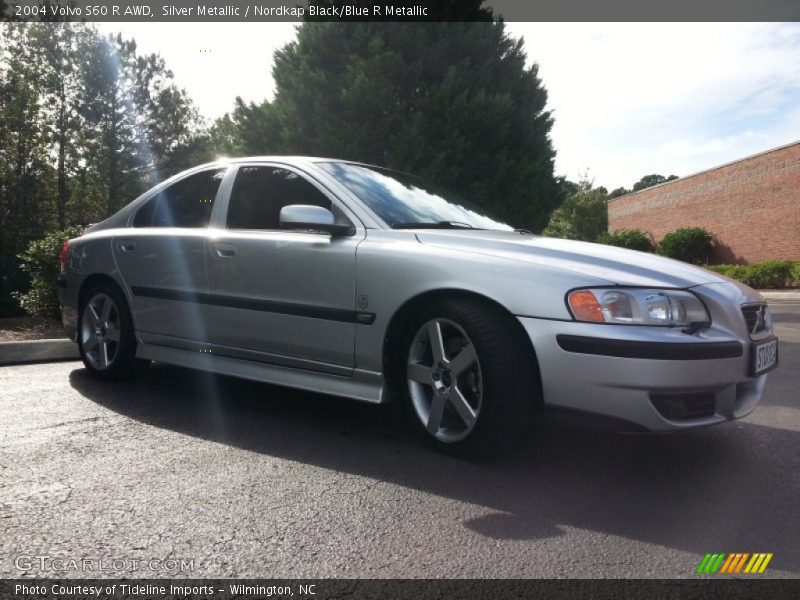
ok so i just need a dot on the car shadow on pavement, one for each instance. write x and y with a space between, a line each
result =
729 488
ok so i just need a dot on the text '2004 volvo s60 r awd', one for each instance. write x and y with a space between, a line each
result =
355 280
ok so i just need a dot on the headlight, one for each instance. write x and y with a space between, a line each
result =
635 306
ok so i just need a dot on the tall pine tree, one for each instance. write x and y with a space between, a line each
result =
450 101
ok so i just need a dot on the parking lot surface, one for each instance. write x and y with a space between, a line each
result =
239 479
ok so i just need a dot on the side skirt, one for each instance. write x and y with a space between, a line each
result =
366 386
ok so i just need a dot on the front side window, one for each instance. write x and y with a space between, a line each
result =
259 194
186 203
405 201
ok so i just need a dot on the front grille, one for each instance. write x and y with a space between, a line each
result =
755 316
684 407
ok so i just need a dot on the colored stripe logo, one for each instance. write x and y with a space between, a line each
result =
736 562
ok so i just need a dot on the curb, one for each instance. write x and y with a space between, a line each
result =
781 296
32 351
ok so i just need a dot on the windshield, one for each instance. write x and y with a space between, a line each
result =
405 201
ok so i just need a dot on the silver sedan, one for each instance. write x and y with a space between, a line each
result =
349 279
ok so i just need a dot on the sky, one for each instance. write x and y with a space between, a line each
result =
628 99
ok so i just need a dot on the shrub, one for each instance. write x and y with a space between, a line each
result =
633 239
582 216
41 261
767 274
690 244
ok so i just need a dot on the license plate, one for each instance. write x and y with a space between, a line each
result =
764 357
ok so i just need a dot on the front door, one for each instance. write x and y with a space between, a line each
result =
286 296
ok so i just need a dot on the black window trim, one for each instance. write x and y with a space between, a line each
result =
155 191
221 212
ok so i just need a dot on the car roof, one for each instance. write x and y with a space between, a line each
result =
289 159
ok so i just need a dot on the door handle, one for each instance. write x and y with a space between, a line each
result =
126 245
224 250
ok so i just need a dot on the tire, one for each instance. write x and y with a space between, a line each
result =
477 392
106 339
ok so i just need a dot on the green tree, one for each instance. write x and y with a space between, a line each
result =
86 124
140 126
582 216
617 192
568 188
61 64
26 177
453 102
114 142
167 122
248 130
651 180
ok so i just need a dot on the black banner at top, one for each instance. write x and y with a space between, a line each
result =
399 11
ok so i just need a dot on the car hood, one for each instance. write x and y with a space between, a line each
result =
608 263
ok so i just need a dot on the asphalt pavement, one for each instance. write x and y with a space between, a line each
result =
204 476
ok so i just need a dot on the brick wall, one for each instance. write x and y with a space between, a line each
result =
752 207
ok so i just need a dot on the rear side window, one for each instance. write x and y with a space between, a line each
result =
259 194
186 203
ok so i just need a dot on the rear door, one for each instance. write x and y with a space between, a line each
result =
162 258
284 297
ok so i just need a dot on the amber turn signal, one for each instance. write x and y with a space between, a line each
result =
585 306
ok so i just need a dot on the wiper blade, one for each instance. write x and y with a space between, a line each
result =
433 225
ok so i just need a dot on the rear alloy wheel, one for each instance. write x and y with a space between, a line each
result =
100 331
105 335
468 376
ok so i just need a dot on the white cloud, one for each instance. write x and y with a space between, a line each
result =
637 98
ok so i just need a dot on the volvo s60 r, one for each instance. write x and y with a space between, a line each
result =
355 280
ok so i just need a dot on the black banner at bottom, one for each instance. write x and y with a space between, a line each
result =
399 589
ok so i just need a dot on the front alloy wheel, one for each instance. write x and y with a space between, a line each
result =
467 377
444 380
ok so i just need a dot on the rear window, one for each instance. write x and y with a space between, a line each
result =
186 203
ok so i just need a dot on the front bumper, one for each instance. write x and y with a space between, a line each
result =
660 379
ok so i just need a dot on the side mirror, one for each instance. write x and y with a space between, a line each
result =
305 216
